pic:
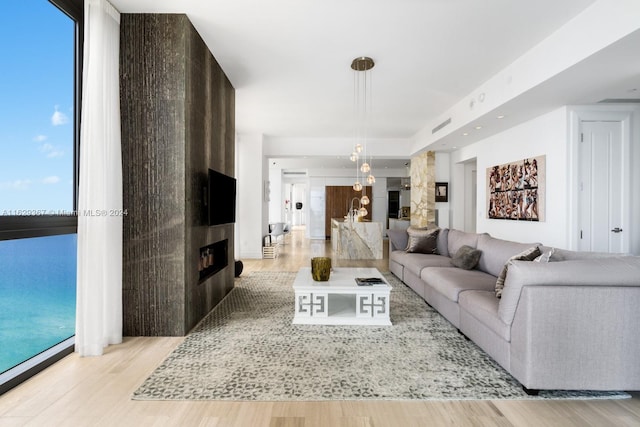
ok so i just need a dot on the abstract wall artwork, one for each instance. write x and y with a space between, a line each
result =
516 191
442 191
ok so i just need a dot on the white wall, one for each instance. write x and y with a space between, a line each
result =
276 195
553 135
251 173
315 227
635 183
470 196
545 135
299 195
443 174
264 222
379 202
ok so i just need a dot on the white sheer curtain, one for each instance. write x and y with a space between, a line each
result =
99 288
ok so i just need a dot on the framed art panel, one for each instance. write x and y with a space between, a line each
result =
516 191
442 191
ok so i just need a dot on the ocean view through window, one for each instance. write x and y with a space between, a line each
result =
37 296
39 132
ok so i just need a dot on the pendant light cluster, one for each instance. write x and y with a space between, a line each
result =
361 67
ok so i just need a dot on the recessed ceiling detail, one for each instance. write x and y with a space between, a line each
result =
441 125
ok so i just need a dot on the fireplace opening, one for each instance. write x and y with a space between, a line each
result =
213 258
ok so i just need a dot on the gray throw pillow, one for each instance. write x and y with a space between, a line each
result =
398 238
528 255
424 241
466 257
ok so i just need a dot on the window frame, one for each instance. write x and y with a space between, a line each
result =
22 227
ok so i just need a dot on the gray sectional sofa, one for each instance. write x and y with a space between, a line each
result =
572 323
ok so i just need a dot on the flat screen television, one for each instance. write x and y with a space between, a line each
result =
221 198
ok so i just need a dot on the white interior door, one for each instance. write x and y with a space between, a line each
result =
474 197
601 183
470 200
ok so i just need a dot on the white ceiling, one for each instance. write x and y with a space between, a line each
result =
289 59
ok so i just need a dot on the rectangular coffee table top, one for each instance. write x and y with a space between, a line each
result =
340 301
341 279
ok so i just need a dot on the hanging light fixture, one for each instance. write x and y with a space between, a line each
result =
362 106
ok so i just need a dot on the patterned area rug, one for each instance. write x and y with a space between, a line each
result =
247 349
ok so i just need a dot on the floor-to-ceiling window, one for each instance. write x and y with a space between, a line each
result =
40 92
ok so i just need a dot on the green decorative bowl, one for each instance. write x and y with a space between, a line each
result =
320 268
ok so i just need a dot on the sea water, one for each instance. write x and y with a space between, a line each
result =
37 295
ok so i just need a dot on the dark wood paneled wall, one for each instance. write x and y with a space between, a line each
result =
177 111
337 203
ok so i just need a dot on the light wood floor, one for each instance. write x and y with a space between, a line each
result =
96 391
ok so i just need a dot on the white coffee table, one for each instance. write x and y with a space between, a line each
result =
340 301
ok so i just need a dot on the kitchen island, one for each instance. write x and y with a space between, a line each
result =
356 240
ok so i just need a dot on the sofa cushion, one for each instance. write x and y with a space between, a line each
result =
618 271
443 242
527 255
466 257
496 253
457 238
415 262
422 241
483 306
398 238
567 255
451 281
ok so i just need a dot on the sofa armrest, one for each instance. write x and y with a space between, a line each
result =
619 271
577 337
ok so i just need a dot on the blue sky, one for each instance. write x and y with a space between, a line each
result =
36 112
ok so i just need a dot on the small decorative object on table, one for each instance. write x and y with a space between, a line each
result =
320 268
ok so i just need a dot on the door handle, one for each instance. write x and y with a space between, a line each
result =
617 230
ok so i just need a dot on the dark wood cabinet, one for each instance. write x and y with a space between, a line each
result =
338 201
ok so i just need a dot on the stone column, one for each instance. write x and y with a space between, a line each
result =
423 189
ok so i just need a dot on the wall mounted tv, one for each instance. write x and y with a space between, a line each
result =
221 200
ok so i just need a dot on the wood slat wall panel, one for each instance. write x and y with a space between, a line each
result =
177 110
